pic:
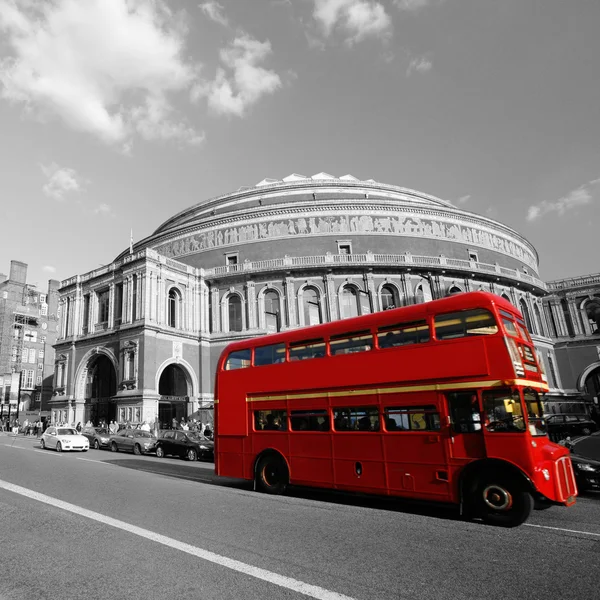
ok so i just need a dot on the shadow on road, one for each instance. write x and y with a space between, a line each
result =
179 470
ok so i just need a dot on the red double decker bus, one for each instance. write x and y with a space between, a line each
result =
438 401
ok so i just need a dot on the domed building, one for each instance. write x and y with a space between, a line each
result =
141 336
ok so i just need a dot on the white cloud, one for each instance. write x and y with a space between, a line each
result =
419 64
464 199
411 5
98 65
61 181
104 209
49 269
584 194
241 82
215 12
355 19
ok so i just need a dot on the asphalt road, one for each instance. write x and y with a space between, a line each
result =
105 525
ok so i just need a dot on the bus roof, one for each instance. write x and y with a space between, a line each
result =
456 302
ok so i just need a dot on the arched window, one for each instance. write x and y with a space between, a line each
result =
174 308
419 295
525 312
567 315
454 290
389 297
272 314
312 306
506 297
349 302
235 313
553 326
538 319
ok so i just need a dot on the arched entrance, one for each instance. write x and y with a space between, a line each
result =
173 387
100 389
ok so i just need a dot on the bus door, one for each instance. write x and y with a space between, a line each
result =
466 436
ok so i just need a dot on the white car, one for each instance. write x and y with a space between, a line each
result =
64 438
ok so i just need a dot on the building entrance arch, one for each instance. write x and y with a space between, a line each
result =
175 386
98 387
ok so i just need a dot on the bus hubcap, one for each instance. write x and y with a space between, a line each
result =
497 498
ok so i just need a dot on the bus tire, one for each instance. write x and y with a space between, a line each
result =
503 503
271 474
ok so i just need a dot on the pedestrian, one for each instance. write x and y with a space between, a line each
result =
78 427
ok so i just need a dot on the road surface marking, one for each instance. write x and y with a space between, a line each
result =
561 529
295 585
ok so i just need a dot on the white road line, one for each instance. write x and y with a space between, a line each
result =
561 529
313 591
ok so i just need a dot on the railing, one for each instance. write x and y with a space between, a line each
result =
374 259
572 282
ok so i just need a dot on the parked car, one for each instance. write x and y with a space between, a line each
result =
98 437
133 440
570 425
585 456
64 438
185 444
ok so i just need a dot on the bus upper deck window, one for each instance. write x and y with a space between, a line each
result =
269 355
240 359
465 323
307 349
351 343
403 334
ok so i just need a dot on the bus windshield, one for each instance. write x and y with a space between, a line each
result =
537 424
503 411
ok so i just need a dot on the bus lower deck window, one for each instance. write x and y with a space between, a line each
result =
270 420
412 418
356 419
309 420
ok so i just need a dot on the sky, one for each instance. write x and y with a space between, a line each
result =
117 114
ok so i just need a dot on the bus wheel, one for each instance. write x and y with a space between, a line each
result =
271 475
502 503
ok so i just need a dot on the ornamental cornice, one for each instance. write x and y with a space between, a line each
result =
371 219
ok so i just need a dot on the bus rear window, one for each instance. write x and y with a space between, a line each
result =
403 334
351 343
412 418
269 355
240 359
465 323
307 349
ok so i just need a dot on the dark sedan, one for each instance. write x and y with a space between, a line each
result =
585 456
570 425
133 440
99 437
185 444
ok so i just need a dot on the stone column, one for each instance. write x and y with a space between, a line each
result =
370 287
559 318
251 300
331 304
216 310
574 312
290 298
111 305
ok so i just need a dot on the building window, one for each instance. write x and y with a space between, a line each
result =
272 311
473 256
43 298
235 313
525 311
44 310
41 353
16 332
349 302
103 307
38 380
134 299
344 247
538 319
30 336
15 353
565 307
31 355
174 308
231 259
389 297
419 295
552 372
27 380
118 303
86 313
312 306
